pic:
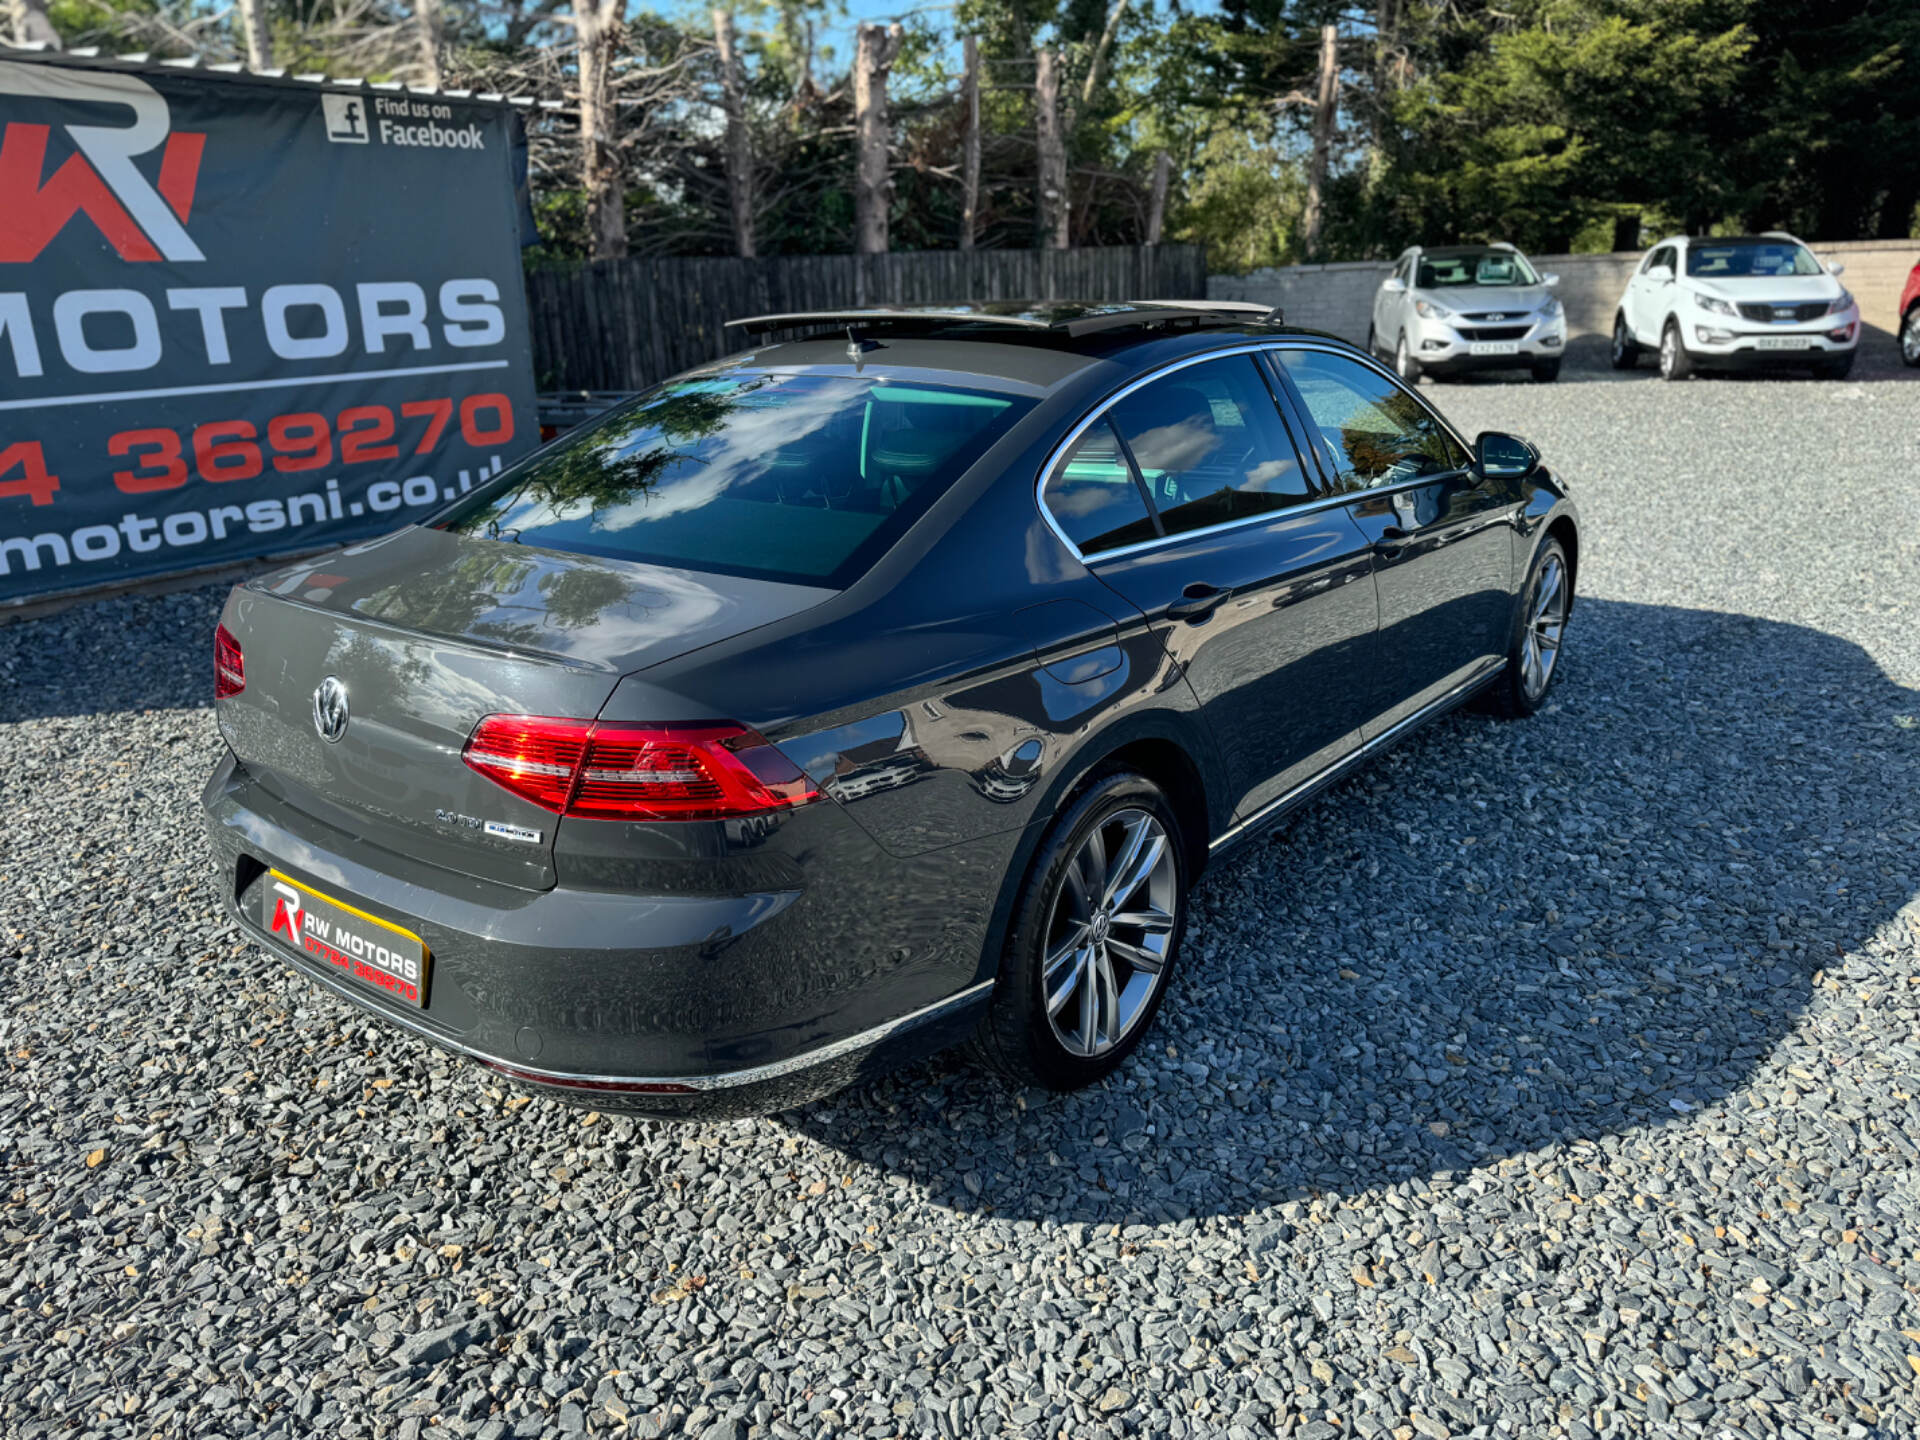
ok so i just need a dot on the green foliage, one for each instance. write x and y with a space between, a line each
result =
1555 124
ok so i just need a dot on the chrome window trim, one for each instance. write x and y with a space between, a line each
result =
1322 502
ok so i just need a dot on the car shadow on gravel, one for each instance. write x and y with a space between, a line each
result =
1500 937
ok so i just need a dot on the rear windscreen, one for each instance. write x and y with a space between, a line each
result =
806 478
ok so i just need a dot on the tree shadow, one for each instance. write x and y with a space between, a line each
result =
1498 937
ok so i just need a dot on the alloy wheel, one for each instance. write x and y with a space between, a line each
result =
1619 340
1669 352
1108 935
1910 337
1546 620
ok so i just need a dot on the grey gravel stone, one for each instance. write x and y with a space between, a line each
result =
1553 1078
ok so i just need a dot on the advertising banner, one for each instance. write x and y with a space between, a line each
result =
242 317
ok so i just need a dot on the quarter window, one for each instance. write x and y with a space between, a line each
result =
1093 497
1372 431
1210 446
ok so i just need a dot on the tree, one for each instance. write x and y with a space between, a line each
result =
602 176
876 48
1326 113
31 25
253 28
739 142
1051 148
428 25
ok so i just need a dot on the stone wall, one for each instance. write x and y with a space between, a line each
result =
1339 298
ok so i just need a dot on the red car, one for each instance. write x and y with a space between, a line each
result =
1910 318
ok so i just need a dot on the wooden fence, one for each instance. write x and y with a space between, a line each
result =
623 324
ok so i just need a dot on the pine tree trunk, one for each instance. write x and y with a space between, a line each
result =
253 24
739 142
1326 110
428 27
1157 197
970 162
1054 217
874 51
602 176
31 25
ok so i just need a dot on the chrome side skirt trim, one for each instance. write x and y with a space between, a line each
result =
718 1080
1273 810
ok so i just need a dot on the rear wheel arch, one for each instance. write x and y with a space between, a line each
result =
1156 751
1167 764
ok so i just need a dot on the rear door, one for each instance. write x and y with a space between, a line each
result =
1441 536
1190 499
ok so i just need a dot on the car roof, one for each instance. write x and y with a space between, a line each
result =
1769 237
1500 245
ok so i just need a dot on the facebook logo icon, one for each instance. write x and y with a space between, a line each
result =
346 117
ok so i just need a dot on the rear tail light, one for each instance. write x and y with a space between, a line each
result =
229 665
619 772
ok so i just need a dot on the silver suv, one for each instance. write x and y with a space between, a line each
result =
1458 308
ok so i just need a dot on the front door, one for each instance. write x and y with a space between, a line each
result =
1441 535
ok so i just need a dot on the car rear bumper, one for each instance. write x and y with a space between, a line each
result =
676 1005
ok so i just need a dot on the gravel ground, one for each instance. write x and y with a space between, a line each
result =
1550 1079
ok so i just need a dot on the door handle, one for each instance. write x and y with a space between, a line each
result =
1198 601
1396 533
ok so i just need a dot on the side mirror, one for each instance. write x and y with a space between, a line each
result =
1663 273
1834 267
1549 280
1498 456
1394 285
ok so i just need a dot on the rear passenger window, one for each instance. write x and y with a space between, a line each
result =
1210 445
1093 497
1372 431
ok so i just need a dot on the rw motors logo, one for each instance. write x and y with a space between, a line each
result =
142 218
286 913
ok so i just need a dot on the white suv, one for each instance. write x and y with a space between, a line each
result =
1736 302
1456 308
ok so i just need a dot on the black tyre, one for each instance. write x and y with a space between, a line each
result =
1404 365
1910 336
1675 362
1547 371
1834 369
1094 939
1624 353
1539 626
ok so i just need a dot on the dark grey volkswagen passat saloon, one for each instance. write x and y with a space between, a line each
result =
862 693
